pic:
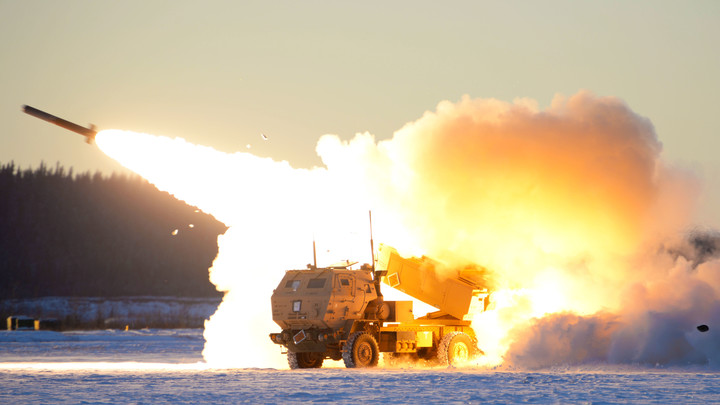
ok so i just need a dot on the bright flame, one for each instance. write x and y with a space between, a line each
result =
273 212
560 204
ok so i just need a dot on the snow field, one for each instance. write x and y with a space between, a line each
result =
158 366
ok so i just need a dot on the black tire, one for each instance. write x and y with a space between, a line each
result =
456 348
361 351
305 360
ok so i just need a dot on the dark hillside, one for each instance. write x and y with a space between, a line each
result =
91 235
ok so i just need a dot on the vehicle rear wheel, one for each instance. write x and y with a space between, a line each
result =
361 351
456 348
305 360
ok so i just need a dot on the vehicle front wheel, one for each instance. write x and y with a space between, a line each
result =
305 360
361 351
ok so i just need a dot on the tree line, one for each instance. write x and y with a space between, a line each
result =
90 235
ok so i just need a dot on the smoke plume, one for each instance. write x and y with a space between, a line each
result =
568 205
571 207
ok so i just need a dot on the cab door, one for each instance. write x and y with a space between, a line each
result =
344 287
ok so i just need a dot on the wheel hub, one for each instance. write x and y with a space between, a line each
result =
364 353
461 352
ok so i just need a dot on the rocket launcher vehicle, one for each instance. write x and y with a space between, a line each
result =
339 313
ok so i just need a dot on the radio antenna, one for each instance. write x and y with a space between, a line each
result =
372 247
314 253
376 274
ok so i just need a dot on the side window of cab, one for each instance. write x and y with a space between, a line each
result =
292 284
344 284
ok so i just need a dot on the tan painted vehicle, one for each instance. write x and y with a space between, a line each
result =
339 313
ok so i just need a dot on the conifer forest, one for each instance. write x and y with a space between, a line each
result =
90 235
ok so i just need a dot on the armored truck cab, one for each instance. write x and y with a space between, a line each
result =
316 309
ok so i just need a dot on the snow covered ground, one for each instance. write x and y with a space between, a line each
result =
146 345
154 366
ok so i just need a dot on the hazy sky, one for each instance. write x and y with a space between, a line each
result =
221 73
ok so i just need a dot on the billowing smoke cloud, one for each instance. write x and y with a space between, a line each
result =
568 207
583 176
658 322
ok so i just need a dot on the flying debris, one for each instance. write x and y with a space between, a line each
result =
264 137
88 133
703 328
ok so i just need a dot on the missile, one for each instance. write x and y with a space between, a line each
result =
88 133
